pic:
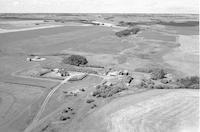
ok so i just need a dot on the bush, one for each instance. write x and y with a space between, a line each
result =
189 82
107 91
90 100
194 86
75 60
158 74
165 81
125 24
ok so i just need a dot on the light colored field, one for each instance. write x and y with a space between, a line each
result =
186 57
152 111
27 29
175 112
189 44
157 36
184 30
26 25
20 24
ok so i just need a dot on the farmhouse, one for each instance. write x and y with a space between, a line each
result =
61 72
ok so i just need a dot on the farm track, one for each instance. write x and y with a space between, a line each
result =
36 120
42 108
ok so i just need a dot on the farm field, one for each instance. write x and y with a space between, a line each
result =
151 111
113 90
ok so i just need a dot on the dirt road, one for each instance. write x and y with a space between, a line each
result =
37 119
42 108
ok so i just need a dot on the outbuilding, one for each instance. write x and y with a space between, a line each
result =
64 73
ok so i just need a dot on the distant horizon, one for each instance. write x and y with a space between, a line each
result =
100 6
96 13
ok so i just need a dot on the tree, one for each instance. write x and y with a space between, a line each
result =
75 60
158 74
189 82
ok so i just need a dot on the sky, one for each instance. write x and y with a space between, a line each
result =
99 6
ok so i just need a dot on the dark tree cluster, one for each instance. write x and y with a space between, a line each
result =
180 24
75 60
189 82
107 91
158 74
127 32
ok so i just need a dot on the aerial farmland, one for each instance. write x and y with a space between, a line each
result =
99 73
